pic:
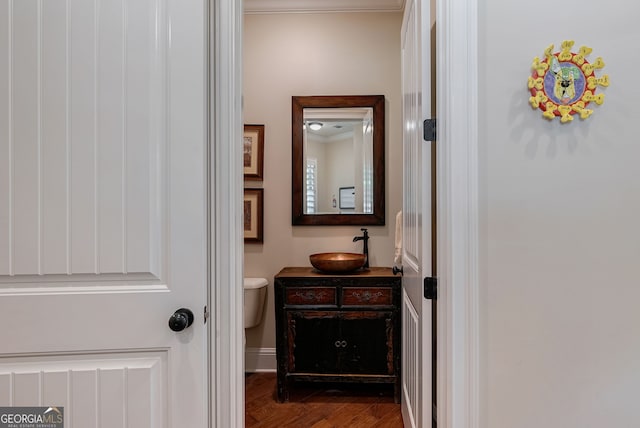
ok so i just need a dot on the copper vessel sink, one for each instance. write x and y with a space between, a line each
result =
337 262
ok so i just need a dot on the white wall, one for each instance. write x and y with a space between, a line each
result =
315 54
340 155
560 245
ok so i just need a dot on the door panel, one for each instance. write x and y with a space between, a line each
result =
103 209
312 338
369 343
416 217
92 382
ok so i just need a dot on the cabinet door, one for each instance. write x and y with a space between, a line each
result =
330 342
312 341
367 343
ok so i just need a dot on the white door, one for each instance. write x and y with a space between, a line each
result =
416 231
103 209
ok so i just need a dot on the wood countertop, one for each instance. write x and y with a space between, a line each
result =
311 272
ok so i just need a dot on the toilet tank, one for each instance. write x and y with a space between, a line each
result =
255 293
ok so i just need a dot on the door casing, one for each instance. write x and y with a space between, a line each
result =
458 373
225 229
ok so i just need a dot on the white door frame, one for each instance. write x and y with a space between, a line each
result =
458 235
457 213
226 294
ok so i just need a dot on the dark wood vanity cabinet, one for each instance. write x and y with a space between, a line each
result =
337 328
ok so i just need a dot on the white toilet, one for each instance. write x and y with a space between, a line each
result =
255 293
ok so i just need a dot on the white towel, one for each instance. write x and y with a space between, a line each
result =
397 258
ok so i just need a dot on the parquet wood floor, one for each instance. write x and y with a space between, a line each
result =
318 406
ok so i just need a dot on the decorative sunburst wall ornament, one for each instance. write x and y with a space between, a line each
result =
564 83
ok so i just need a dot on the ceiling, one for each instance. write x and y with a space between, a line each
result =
331 128
305 6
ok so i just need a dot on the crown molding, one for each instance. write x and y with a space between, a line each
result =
308 6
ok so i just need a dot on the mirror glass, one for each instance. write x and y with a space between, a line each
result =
338 160
338 152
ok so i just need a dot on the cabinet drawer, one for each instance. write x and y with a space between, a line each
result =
357 296
310 296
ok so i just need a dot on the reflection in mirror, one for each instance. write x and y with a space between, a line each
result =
338 160
338 155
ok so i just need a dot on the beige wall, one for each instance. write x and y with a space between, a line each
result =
315 54
560 244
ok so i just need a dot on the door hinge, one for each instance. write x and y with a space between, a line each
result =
430 288
206 314
429 129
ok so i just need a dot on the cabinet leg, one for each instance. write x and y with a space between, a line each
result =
282 391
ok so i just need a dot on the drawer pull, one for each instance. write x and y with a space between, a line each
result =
367 296
340 343
311 296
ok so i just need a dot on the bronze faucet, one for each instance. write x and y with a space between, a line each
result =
365 250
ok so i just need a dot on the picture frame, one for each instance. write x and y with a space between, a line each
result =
253 152
253 210
347 198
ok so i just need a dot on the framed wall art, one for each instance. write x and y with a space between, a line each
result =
253 157
253 215
347 198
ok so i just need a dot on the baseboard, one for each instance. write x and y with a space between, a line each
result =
260 360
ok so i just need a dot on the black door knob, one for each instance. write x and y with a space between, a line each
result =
181 319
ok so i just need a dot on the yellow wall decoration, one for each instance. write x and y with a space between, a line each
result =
563 83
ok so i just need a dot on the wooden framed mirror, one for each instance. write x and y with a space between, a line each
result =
338 143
